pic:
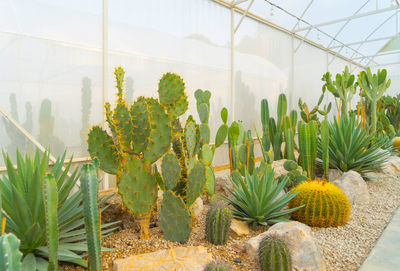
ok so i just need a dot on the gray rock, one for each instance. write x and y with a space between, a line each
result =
334 174
354 186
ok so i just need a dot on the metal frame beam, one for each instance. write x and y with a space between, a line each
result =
381 54
349 18
364 41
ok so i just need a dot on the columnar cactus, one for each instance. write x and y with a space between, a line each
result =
10 256
374 86
325 205
50 195
218 224
139 135
207 151
274 255
325 147
308 142
217 266
343 88
89 188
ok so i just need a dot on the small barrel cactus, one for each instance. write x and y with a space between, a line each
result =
325 205
218 223
274 255
217 266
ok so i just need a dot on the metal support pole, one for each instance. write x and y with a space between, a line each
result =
232 64
105 73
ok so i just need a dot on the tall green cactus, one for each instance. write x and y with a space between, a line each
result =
140 135
343 88
266 142
10 256
50 195
203 110
308 140
374 86
89 189
325 147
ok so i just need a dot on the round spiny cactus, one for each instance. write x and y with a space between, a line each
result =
217 266
325 205
218 224
274 255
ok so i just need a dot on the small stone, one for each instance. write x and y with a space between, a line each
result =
240 228
238 248
354 186
153 225
237 260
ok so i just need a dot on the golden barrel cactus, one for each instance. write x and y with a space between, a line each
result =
396 143
325 204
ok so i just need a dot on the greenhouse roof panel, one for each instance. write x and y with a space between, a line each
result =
359 30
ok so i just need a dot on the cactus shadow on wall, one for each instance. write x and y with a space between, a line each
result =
245 103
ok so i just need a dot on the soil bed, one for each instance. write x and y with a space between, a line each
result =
344 248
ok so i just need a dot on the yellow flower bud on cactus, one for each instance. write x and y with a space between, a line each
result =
325 205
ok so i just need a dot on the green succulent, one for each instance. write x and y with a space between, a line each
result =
255 199
353 147
23 205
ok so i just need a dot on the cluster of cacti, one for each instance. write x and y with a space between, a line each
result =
207 152
89 188
295 174
280 131
274 255
241 148
374 86
50 195
308 142
218 222
308 115
325 204
10 256
17 139
217 266
140 135
343 88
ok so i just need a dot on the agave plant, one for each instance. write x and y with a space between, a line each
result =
353 147
255 199
23 206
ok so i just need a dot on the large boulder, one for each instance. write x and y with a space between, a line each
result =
278 167
304 251
354 186
392 166
180 258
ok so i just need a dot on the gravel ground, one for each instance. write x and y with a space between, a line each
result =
344 248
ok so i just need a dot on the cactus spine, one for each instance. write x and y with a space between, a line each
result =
274 255
50 195
218 222
308 140
217 266
325 205
140 135
89 188
374 86
10 256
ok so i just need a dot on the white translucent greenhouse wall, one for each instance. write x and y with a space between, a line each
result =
51 53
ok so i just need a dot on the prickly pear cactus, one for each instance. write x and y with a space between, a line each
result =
10 256
138 135
175 220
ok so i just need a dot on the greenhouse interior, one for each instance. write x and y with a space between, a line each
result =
200 135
